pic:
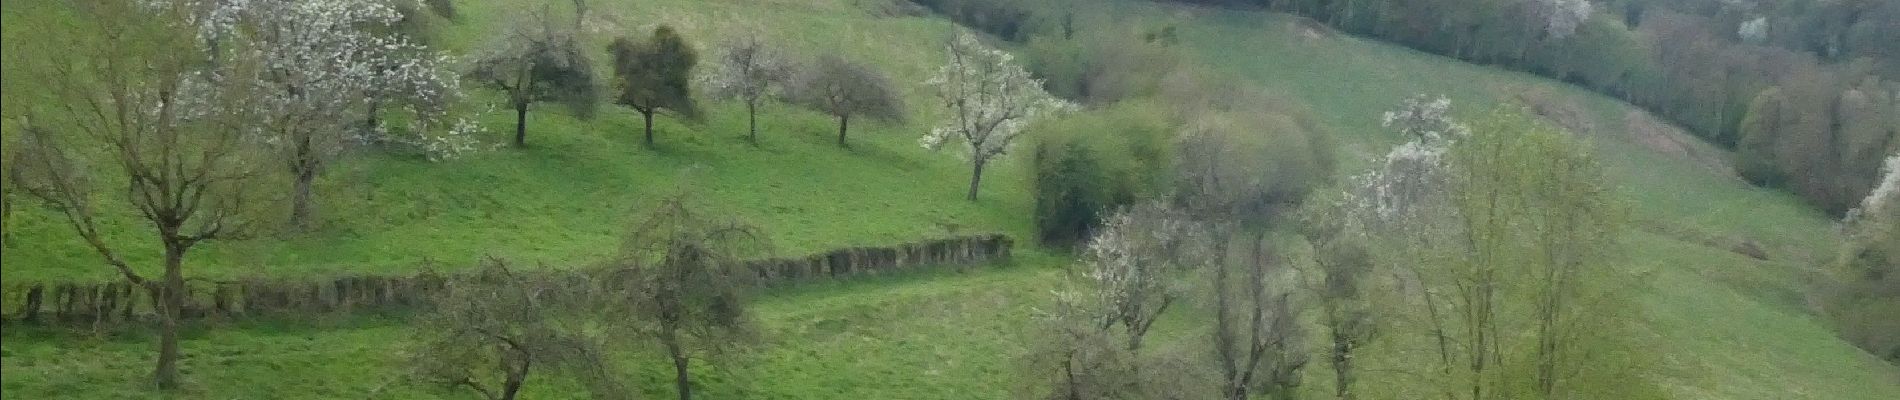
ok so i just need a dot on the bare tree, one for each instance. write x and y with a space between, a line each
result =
682 278
990 100
136 106
540 60
751 71
1256 331
489 330
844 89
1257 336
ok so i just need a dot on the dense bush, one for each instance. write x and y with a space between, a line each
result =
1102 67
1090 163
1006 19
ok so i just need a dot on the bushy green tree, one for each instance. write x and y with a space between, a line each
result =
655 75
1091 163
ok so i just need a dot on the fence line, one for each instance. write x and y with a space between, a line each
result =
100 304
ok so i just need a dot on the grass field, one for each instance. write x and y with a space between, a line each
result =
1722 326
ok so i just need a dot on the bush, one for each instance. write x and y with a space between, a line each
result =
1102 68
1090 163
1006 19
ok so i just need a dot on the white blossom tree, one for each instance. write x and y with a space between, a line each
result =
1133 262
990 100
751 71
322 68
1560 18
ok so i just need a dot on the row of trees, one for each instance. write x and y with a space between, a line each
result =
541 60
1470 261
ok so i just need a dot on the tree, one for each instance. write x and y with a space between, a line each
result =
489 330
751 71
1257 336
990 100
655 75
540 60
1863 298
1134 264
138 109
1345 264
1505 231
322 66
1224 185
843 89
682 280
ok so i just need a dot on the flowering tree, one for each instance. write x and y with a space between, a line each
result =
750 71
1864 299
1560 18
321 67
1132 262
990 100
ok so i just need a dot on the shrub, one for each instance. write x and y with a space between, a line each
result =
1090 163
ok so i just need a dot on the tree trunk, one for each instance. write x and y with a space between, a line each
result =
752 122
976 178
648 115
681 379
171 302
301 196
521 124
1342 364
844 122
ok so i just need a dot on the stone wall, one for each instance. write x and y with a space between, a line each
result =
100 304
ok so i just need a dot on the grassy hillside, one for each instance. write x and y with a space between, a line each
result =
565 199
1721 325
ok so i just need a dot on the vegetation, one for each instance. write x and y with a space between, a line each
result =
178 145
990 100
539 60
681 274
844 89
1483 256
751 71
489 330
655 75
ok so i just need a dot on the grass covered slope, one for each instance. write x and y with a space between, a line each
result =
926 335
566 198
1722 326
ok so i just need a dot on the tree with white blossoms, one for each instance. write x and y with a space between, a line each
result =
1134 262
1560 18
751 71
322 67
1863 300
990 100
